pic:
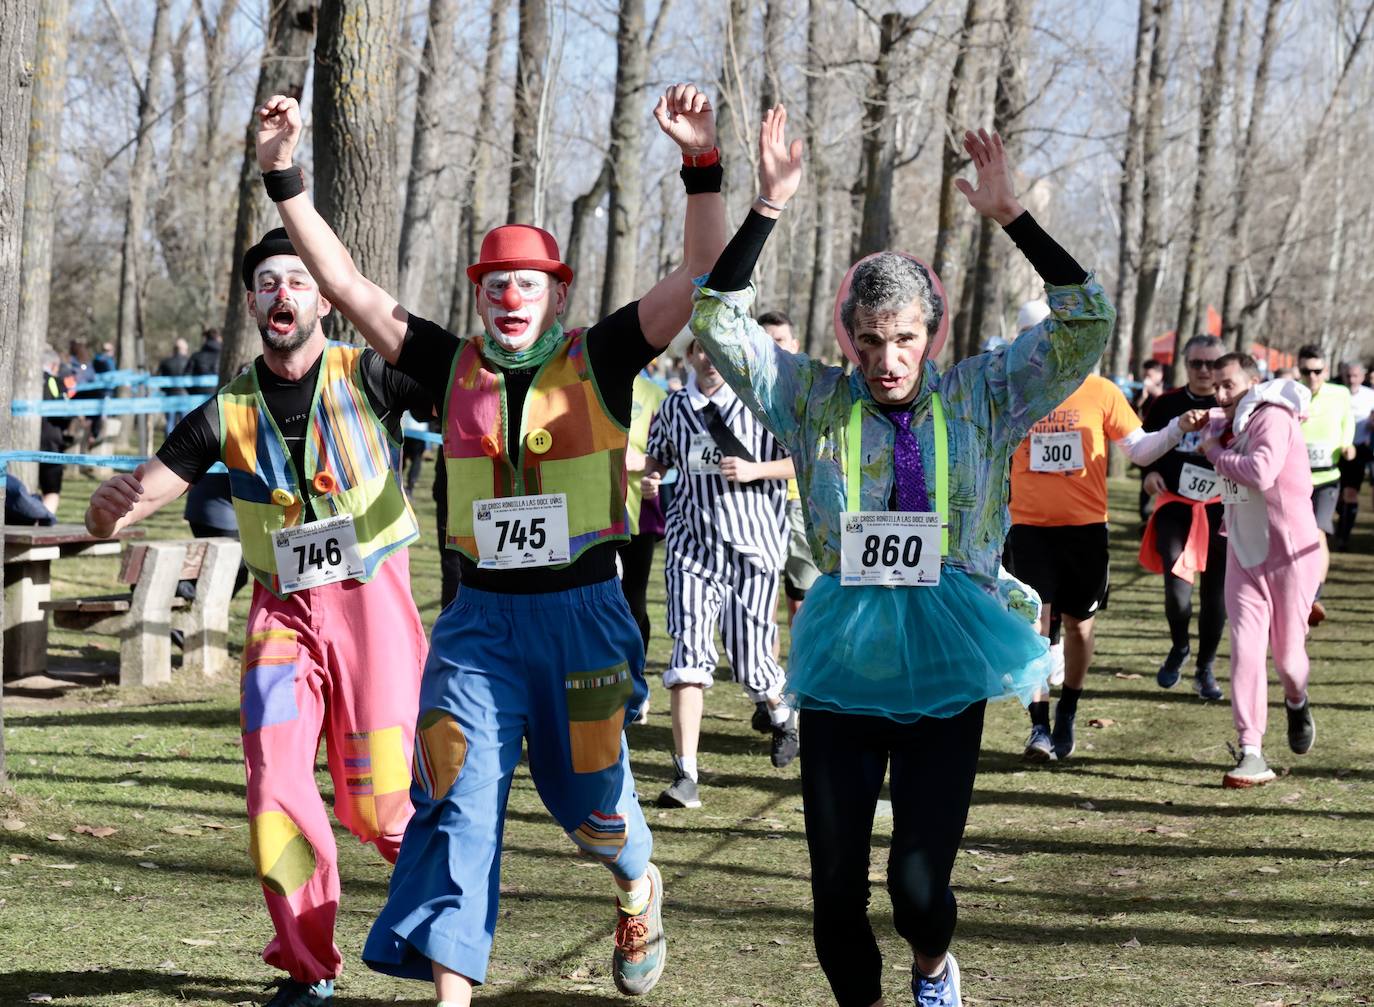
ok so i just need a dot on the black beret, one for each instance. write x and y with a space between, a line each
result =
274 242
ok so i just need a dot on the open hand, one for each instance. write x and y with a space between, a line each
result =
685 114
279 130
994 197
112 500
780 164
1154 484
738 470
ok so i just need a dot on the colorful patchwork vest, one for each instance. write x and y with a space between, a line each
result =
584 454
351 463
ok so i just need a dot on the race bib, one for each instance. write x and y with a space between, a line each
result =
318 553
703 456
1198 483
517 532
1320 456
1233 492
890 549
1058 452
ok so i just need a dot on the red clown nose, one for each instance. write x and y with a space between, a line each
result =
511 299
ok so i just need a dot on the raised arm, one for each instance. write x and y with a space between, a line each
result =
375 312
685 114
129 497
1045 365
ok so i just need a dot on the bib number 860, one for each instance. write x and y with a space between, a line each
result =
522 536
892 549
313 555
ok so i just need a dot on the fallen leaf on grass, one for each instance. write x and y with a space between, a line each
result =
182 830
198 942
12 824
148 864
1266 870
127 783
40 998
18 858
56 837
1087 806
1292 798
1101 722
1003 881
1128 676
100 831
1239 922
169 968
212 825
61 867
1132 943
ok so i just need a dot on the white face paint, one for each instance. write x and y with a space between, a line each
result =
516 307
286 302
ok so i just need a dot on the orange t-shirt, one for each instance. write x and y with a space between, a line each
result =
1099 413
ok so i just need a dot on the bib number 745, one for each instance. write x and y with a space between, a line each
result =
521 534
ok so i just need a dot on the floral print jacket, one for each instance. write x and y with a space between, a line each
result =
991 401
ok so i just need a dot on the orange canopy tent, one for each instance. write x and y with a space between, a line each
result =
1162 347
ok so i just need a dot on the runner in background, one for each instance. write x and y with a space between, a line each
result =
1329 433
645 518
1184 532
1058 538
1354 470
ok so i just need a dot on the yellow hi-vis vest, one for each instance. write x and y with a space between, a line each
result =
351 465
578 446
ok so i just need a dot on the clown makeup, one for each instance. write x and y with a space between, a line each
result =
515 306
286 303
891 346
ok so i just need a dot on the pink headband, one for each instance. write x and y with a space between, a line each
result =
937 340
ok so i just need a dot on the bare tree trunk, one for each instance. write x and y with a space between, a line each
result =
626 176
528 113
770 88
355 126
18 30
1337 253
285 63
474 216
731 119
1009 99
818 324
35 270
952 159
429 155
212 237
1128 235
1254 309
1193 266
879 143
1152 241
128 335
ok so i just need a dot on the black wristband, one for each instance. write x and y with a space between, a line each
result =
281 185
699 180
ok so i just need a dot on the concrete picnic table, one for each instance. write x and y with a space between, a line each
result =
29 554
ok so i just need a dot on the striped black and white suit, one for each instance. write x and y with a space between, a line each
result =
726 542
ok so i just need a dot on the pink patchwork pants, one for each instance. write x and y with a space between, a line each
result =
340 662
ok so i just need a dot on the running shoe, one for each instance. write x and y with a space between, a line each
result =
1057 663
1169 672
786 743
1061 738
1039 747
940 992
1302 729
1318 614
1205 683
683 791
761 721
1251 771
640 947
293 993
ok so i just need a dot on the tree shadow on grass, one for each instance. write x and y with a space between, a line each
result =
81 987
176 713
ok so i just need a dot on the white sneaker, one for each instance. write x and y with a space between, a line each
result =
1057 668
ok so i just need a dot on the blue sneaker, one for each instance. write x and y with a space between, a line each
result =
293 993
1039 746
941 992
1169 672
640 947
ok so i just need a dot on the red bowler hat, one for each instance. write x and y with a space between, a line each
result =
519 246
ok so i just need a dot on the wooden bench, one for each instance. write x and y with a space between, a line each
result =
144 618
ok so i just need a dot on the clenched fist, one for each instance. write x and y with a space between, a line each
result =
112 500
279 130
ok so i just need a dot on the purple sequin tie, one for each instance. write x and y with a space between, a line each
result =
909 469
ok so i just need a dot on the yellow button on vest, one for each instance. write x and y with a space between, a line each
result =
539 441
282 498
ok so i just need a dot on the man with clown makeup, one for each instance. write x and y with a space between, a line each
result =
911 629
311 436
539 646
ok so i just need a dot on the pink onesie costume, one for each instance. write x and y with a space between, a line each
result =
1273 562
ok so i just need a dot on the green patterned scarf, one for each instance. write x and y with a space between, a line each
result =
518 360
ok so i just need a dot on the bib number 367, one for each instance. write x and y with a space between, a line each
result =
890 549
318 553
516 532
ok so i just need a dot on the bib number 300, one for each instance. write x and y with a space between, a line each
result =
318 553
890 549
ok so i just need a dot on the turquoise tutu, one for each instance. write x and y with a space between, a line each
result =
907 653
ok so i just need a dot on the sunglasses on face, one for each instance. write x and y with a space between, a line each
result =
1310 372
1200 365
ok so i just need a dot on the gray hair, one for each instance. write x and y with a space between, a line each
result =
890 282
1203 341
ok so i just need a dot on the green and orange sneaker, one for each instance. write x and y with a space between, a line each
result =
640 946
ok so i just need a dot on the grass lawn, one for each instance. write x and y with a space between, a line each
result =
1127 876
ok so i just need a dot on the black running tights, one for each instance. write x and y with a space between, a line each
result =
1171 532
843 760
636 562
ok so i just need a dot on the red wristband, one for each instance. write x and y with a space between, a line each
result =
705 160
